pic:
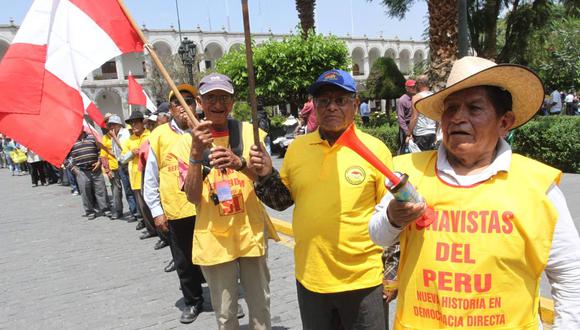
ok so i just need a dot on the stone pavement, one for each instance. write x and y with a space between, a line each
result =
59 270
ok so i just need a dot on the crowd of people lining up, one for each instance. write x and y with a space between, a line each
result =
499 220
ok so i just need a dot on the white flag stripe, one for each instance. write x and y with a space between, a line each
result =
33 29
77 45
86 101
150 105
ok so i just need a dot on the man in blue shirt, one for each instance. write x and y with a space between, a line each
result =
365 112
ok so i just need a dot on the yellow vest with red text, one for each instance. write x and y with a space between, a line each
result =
230 229
134 142
173 200
478 265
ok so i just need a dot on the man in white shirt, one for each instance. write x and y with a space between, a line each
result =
555 102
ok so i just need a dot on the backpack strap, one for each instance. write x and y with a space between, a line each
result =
236 142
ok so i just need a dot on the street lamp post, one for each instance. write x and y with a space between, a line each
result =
187 51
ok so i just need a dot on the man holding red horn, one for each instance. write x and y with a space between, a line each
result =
500 218
338 268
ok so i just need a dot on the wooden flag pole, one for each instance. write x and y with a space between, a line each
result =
251 76
158 64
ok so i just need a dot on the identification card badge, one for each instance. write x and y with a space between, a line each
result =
224 191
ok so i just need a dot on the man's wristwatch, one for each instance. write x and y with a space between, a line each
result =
244 164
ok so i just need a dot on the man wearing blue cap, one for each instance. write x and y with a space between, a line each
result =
338 268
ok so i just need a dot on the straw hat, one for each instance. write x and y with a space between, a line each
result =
523 84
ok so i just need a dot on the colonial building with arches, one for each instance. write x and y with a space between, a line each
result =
107 85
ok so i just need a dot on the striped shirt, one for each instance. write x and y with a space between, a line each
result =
85 153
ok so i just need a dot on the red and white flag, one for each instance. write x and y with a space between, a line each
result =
89 129
58 44
138 96
92 111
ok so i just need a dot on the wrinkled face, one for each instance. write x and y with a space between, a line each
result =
335 108
216 106
137 126
471 127
178 112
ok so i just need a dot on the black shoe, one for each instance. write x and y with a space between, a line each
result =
170 267
140 225
146 235
240 311
132 219
190 313
91 216
160 244
115 217
107 214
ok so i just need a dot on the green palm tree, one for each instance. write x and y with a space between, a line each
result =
443 38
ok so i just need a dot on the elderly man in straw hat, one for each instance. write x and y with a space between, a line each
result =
500 218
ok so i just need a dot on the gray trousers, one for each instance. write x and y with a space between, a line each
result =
117 190
93 191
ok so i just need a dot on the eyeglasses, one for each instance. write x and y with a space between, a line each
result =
340 101
213 99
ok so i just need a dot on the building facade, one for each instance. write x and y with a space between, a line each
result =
107 86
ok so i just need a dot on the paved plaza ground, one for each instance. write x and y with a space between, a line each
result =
62 271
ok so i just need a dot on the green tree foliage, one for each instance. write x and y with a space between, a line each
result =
285 69
242 111
552 140
555 53
385 81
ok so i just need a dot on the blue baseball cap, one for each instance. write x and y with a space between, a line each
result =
334 77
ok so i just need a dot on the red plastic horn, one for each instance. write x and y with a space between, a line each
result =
351 141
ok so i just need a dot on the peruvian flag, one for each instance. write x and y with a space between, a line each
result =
92 111
89 129
138 96
58 44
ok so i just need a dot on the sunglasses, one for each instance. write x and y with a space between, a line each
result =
188 101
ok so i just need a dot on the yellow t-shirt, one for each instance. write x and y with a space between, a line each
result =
134 142
335 192
173 200
478 265
231 229
107 143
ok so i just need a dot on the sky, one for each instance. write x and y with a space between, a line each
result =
332 16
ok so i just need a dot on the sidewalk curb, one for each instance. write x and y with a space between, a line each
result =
546 305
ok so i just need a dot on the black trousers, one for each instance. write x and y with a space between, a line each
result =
145 212
37 172
402 144
425 142
357 309
190 277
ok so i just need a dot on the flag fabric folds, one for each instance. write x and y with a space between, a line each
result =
138 96
58 44
92 111
89 129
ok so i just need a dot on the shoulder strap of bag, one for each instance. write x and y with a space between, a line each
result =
236 142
